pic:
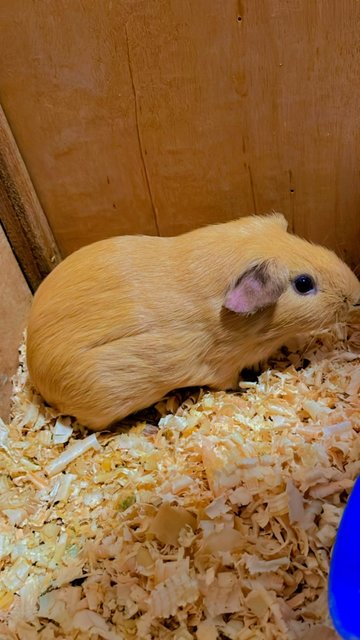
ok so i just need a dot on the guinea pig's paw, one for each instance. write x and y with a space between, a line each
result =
150 430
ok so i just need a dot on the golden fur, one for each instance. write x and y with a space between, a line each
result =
120 323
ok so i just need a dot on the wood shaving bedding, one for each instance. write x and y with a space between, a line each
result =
219 524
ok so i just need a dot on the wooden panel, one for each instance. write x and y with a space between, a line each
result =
160 116
21 214
15 300
66 90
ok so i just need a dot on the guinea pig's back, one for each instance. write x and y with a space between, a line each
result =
93 297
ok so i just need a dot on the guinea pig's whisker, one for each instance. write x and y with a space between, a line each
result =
313 337
357 269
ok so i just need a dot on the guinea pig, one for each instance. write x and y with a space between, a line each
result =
122 322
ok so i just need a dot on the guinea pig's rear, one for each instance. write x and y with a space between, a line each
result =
89 348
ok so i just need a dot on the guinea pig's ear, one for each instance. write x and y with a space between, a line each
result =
259 287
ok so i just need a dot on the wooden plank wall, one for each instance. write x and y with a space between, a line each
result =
21 216
15 300
156 116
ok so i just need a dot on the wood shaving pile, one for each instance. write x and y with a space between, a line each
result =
219 524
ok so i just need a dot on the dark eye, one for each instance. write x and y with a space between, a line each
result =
304 284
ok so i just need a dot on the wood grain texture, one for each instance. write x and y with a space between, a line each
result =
15 301
77 129
21 214
157 117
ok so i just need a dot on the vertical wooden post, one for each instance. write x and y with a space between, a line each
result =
21 214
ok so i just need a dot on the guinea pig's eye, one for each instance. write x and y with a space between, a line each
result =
304 284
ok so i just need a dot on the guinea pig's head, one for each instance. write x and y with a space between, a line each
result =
293 285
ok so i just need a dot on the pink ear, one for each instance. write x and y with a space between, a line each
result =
258 288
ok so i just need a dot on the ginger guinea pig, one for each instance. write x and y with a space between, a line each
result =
121 322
